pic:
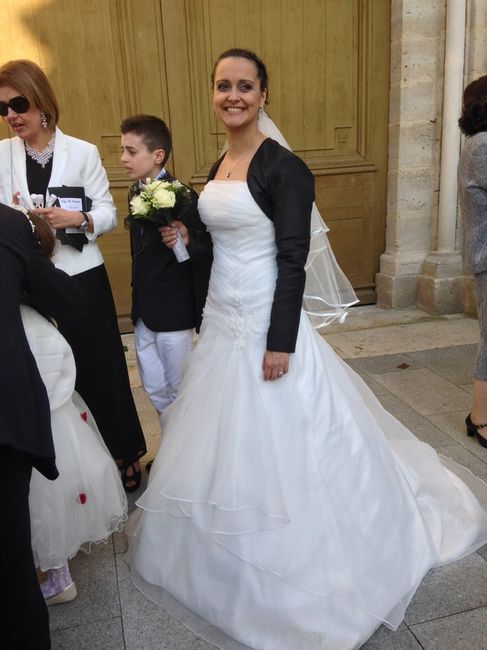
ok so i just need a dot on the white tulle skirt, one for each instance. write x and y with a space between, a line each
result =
87 502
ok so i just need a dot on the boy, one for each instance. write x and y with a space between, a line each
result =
167 296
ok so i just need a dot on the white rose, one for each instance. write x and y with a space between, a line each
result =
138 205
162 198
151 186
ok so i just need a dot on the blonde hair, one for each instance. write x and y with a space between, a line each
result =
30 80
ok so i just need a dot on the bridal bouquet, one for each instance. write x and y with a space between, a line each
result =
161 202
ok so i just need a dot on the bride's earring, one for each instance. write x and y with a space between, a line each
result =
43 120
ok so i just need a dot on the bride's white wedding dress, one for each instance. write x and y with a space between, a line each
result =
298 513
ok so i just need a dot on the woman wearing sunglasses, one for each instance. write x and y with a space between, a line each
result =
41 156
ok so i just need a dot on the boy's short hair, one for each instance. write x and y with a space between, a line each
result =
153 131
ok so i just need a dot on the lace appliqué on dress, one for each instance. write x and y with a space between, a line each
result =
241 322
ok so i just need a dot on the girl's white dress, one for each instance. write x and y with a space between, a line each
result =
292 514
87 502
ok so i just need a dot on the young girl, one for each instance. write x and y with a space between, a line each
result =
87 502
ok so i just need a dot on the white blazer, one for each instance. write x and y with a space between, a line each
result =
75 163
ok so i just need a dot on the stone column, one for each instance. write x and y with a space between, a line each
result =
417 50
441 282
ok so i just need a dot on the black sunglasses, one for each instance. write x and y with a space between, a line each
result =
19 104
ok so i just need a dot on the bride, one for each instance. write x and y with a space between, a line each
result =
285 505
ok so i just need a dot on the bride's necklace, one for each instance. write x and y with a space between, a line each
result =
245 156
44 156
241 159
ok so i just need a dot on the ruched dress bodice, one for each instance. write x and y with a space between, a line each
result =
244 272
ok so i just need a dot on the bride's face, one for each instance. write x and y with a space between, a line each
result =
237 95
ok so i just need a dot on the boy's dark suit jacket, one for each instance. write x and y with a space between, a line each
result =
166 294
25 271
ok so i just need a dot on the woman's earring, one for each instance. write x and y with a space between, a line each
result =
44 120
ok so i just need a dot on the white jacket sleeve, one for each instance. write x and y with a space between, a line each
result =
96 186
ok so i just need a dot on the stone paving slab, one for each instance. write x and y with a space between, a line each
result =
404 338
103 635
451 589
464 631
453 363
384 363
425 391
422 427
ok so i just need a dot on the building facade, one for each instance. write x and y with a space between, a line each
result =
368 92
436 49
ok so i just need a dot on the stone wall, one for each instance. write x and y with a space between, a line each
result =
412 270
417 55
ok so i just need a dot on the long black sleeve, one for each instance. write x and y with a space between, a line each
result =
291 193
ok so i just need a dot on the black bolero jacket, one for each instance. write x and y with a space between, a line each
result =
25 271
283 187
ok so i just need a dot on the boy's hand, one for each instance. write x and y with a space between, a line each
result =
169 233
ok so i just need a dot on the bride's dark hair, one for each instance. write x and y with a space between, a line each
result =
239 53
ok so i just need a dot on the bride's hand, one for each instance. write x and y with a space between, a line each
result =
275 365
169 233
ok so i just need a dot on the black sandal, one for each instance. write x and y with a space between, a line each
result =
473 430
131 483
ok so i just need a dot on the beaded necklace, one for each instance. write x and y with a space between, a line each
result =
44 156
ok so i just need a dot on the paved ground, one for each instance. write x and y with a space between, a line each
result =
419 367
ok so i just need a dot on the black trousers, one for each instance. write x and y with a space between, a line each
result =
24 621
101 372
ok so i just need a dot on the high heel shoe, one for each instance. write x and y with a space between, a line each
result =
131 482
473 430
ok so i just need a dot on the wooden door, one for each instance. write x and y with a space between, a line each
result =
328 62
